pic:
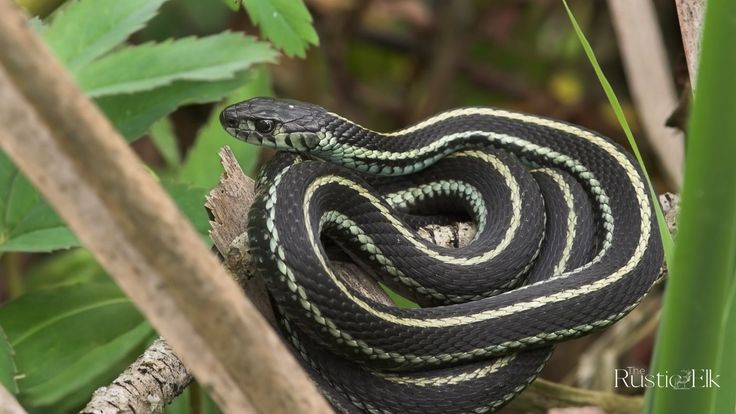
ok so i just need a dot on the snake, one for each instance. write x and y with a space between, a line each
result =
566 244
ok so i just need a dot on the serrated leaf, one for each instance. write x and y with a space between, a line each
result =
153 65
27 222
85 30
133 114
202 166
8 371
65 332
286 23
42 240
201 17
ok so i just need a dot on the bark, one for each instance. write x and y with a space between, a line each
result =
8 404
690 14
650 80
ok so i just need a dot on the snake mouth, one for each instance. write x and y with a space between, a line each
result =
243 131
253 137
233 131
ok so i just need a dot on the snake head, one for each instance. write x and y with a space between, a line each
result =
281 124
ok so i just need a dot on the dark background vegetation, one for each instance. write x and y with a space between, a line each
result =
385 64
388 63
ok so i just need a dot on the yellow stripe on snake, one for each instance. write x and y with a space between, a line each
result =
566 244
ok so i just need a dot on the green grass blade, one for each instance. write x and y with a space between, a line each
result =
695 332
726 401
665 234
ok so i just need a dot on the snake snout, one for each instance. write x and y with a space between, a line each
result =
229 119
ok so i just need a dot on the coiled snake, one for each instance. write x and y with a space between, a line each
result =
566 244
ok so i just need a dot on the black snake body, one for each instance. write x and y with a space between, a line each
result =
562 250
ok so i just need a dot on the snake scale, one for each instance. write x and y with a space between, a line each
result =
566 244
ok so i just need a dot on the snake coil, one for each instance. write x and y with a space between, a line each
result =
566 244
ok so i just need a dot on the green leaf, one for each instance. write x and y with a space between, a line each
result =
164 138
399 300
183 18
152 65
27 223
202 166
193 400
287 23
667 241
190 201
181 403
234 5
75 266
133 114
64 336
37 25
697 330
74 386
8 371
727 360
85 30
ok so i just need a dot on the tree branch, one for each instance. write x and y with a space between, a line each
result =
88 173
690 14
8 404
650 81
146 386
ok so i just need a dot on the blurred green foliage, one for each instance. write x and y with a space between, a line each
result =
68 329
67 338
162 70
697 332
27 223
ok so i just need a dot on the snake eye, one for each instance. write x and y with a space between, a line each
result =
264 126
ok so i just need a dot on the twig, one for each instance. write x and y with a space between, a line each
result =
541 396
146 386
88 173
8 404
603 354
690 13
650 81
